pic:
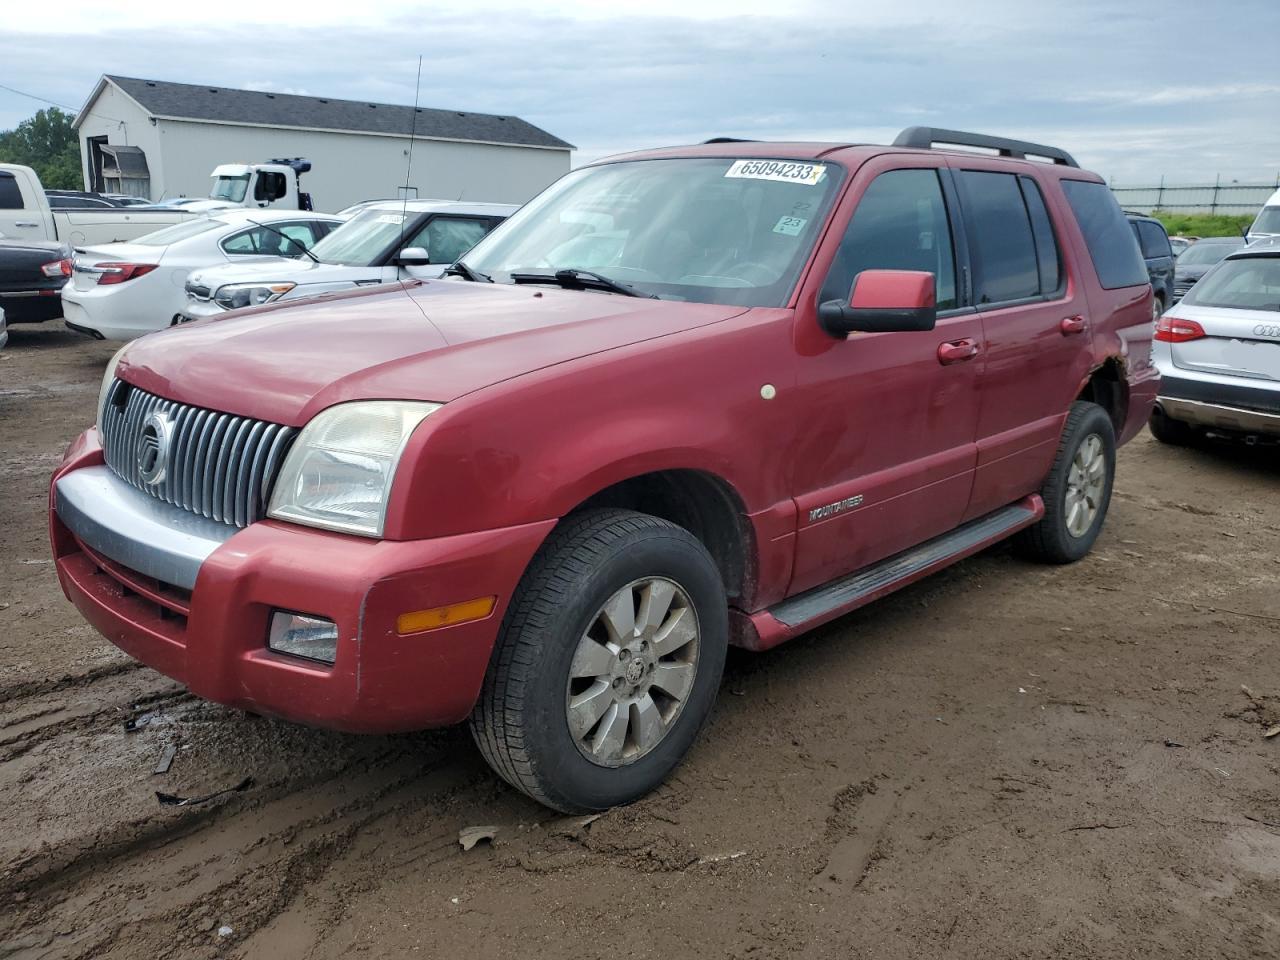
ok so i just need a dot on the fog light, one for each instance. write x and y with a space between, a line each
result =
312 638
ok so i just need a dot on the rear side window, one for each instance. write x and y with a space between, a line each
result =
1112 248
1155 242
1048 256
900 224
1003 246
10 195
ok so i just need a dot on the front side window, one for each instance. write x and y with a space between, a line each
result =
1112 245
448 238
1250 283
1003 247
900 224
1268 220
10 195
710 230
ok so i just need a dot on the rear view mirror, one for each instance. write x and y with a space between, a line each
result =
883 301
414 256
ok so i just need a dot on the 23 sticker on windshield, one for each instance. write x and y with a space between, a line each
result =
783 171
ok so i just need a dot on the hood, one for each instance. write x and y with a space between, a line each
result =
269 269
434 341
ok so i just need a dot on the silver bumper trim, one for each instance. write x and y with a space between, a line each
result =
1216 415
136 530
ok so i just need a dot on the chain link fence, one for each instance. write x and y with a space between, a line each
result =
1211 198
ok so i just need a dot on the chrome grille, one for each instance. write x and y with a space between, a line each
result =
219 465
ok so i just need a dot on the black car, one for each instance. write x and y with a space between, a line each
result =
32 275
1153 241
1193 262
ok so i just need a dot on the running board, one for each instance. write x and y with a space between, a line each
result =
808 609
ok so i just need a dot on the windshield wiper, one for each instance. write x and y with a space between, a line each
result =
460 269
575 279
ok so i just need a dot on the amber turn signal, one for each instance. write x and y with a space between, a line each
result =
437 617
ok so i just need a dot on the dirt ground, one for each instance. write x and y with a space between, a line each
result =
1006 760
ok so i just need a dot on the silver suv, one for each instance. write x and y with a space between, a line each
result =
1218 351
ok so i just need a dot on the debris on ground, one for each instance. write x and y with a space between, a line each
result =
166 759
468 837
1173 743
169 800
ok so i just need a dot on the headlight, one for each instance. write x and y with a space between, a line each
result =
339 471
107 379
234 295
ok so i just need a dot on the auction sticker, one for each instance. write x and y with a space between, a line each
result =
784 171
790 226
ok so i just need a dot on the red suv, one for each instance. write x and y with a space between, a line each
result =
684 398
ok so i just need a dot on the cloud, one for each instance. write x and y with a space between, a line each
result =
610 78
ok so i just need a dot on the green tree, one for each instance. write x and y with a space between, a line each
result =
47 144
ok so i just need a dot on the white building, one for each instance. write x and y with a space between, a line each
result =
160 140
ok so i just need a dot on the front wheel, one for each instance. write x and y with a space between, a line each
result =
1077 491
607 664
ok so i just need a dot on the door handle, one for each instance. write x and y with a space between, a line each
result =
25 223
956 351
1071 325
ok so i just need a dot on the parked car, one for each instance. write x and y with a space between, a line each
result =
686 397
1192 263
32 274
1218 352
1267 223
25 214
4 330
1180 244
390 241
1153 241
124 290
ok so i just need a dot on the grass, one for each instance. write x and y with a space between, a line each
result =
1203 224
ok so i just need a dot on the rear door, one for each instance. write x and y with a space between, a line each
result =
20 218
1034 327
1158 254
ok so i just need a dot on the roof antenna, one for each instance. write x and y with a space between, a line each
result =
413 132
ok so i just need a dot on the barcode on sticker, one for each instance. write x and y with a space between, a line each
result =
784 171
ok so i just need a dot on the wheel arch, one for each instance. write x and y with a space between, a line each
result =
701 502
1108 387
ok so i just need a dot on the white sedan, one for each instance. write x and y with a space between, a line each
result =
119 291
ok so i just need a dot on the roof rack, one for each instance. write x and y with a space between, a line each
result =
729 140
924 138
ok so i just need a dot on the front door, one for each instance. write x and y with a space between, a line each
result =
886 451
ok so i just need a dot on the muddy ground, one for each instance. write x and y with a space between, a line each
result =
1006 761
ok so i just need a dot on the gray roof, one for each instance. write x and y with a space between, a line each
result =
226 104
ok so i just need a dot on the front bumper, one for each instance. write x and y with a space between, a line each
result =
1223 403
198 310
193 599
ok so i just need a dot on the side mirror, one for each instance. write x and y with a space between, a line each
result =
414 257
883 301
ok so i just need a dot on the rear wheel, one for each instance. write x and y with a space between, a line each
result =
608 662
1077 491
1157 309
1164 428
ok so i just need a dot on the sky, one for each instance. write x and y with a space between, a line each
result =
1136 91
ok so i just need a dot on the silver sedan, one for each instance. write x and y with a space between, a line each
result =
1218 351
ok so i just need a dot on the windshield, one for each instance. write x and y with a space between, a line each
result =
707 230
176 232
363 238
230 188
1206 254
1250 283
1268 221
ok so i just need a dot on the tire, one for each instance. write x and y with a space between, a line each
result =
1164 428
1057 538
596 562
1157 308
